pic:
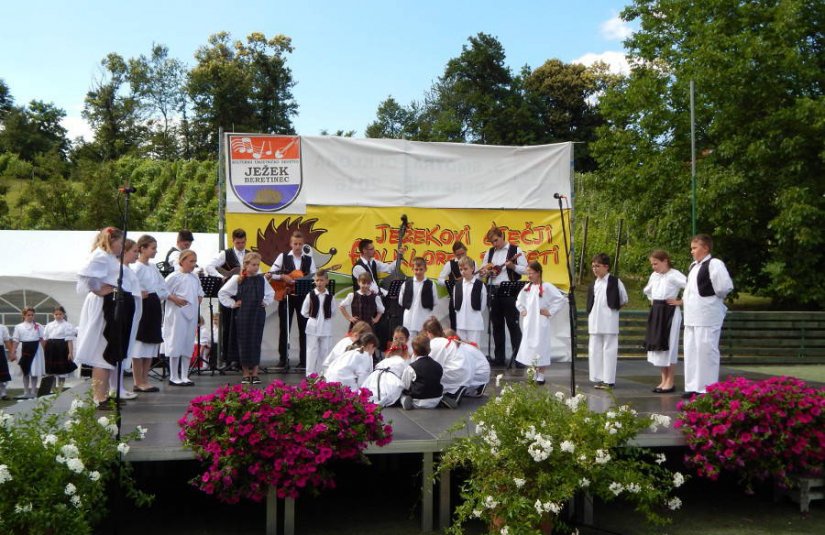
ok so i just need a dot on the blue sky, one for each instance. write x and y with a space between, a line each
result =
349 56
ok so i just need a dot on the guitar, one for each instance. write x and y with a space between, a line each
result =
227 273
494 270
283 288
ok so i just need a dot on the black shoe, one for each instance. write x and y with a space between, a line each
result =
406 402
670 390
449 401
605 386
246 380
255 380
689 395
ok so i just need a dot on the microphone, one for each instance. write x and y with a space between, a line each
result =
559 196
126 189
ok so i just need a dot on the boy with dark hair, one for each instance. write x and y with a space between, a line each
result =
605 296
422 378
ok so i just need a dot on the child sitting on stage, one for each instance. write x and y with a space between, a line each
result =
360 327
422 378
59 353
470 301
364 305
475 361
385 381
28 335
318 308
354 366
605 296
417 297
248 293
401 340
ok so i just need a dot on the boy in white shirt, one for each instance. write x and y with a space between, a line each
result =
318 308
605 296
417 297
470 301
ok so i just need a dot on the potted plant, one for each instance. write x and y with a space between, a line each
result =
55 468
758 430
529 451
284 437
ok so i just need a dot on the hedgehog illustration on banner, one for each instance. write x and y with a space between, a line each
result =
274 240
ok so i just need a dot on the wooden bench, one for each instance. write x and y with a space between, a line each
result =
774 337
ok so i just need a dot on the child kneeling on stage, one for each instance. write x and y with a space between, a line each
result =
353 367
422 378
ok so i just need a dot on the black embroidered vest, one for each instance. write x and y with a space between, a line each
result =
372 269
426 294
427 383
364 306
288 264
475 295
613 300
703 282
314 305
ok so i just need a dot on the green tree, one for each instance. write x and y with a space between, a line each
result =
393 121
114 112
240 87
32 130
759 71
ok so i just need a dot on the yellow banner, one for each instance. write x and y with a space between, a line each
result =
333 232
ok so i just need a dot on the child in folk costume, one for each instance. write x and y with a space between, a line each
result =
354 366
417 297
385 380
401 339
536 303
102 338
422 378
249 294
149 332
360 327
59 353
202 347
131 286
452 273
605 296
470 301
318 308
664 319
28 337
477 364
708 284
181 317
364 305
5 350
455 373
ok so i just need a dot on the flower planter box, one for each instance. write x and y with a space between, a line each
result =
804 491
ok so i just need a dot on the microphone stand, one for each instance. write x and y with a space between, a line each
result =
571 298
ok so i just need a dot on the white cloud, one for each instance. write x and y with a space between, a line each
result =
615 29
77 126
617 61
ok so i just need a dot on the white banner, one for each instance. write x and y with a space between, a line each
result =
391 172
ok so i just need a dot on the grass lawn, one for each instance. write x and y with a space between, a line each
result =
806 372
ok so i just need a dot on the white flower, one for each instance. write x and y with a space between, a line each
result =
602 457
519 482
75 500
123 448
94 475
610 414
6 420
582 458
112 429
77 404
634 488
49 439
490 503
22 509
616 488
612 431
68 424
5 474
491 438
70 451
552 507
539 507
499 377
103 421
674 503
477 513
659 420
678 480
142 432
568 446
660 458
75 465
584 482
60 459
480 427
505 531
574 402
559 396
70 489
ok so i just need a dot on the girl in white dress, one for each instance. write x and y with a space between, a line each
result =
97 327
665 318
149 334
537 302
360 327
354 366
59 350
181 317
385 380
456 373
27 347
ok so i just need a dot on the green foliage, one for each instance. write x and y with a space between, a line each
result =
55 468
32 130
760 117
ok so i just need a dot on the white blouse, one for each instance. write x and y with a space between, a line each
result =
150 279
666 285
60 330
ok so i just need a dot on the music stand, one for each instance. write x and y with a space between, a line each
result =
510 289
492 290
393 313
450 284
303 286
210 286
